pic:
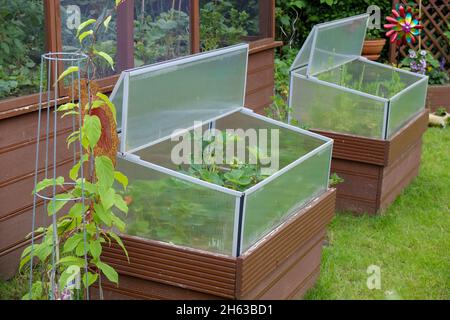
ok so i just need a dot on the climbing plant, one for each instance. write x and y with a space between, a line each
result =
70 250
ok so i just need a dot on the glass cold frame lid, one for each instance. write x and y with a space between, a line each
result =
154 101
331 44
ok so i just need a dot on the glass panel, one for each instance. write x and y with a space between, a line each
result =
172 210
161 30
404 106
302 58
74 12
21 46
337 42
377 80
224 23
182 92
269 206
320 106
292 145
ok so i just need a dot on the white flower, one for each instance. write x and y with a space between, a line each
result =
423 53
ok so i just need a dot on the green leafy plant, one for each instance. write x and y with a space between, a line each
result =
441 112
82 227
335 180
374 34
21 44
161 38
222 24
236 175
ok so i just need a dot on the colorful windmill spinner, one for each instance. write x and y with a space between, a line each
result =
404 26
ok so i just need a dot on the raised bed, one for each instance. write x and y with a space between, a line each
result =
375 114
376 171
283 265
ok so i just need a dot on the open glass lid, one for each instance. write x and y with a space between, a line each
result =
331 44
154 101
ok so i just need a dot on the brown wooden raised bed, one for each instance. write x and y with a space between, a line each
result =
437 97
283 265
376 171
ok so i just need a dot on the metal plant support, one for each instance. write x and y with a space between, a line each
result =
52 64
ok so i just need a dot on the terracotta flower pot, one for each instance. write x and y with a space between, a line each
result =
372 48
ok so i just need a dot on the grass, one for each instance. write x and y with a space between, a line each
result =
410 242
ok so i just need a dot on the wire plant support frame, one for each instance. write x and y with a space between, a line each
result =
209 88
47 155
334 88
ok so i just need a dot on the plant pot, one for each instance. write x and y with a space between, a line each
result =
372 48
438 121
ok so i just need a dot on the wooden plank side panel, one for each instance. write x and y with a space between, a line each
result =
438 97
260 81
171 265
265 257
398 175
359 193
403 140
355 148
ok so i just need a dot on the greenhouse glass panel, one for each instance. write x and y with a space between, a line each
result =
161 30
195 155
167 208
73 13
21 45
225 23
270 205
405 105
339 91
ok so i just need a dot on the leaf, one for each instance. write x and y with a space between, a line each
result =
120 203
72 242
96 104
73 174
84 25
108 271
49 182
68 276
67 72
68 113
96 249
92 129
107 21
118 223
67 106
107 57
119 242
77 210
104 216
111 105
74 136
79 251
85 34
91 278
56 204
71 260
104 170
107 197
121 178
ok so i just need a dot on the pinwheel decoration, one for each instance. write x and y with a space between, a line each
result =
404 26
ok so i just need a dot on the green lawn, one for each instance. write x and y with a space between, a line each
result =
410 242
